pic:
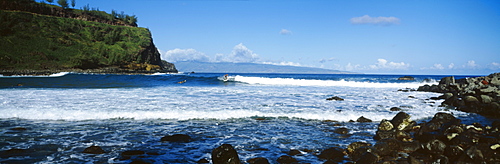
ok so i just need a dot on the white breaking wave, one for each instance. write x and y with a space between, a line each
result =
337 83
60 74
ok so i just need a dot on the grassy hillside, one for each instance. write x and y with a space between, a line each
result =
31 41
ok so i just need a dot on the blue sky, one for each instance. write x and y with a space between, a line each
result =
403 37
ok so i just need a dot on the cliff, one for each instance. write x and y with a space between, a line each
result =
35 43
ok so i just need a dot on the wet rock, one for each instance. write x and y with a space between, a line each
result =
335 98
225 154
14 153
285 159
358 153
341 131
406 78
176 138
355 145
401 121
435 147
334 153
294 152
387 147
130 153
94 150
368 158
395 109
385 125
477 95
258 160
203 160
140 161
382 134
363 119
18 129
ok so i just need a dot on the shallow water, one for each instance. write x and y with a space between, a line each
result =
261 115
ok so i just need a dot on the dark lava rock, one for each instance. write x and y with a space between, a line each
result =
285 159
203 160
363 119
368 158
355 145
94 150
129 153
435 147
14 153
18 129
341 131
395 109
258 160
335 98
225 154
401 121
406 78
140 161
334 153
176 138
294 152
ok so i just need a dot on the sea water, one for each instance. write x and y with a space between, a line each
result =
261 115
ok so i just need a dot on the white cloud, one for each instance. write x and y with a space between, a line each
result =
451 66
284 63
351 67
384 64
494 66
327 60
240 54
285 32
471 64
177 55
437 66
366 19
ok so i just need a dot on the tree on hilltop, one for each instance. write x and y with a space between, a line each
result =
63 3
73 3
50 1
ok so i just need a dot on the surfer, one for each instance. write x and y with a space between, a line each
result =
225 77
180 82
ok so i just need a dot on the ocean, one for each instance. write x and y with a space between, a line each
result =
52 119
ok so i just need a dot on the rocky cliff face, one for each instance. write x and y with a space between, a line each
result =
477 95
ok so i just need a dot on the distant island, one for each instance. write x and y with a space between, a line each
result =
41 38
225 67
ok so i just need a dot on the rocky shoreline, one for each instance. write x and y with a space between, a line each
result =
475 95
442 139
107 70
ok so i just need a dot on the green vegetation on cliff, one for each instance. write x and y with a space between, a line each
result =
31 41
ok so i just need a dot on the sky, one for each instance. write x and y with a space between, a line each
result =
365 36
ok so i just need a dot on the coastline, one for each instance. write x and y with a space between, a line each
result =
108 70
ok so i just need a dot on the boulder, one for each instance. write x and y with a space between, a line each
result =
225 154
406 78
341 131
258 160
334 153
385 125
401 121
285 159
395 109
94 150
129 153
335 98
176 138
363 119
